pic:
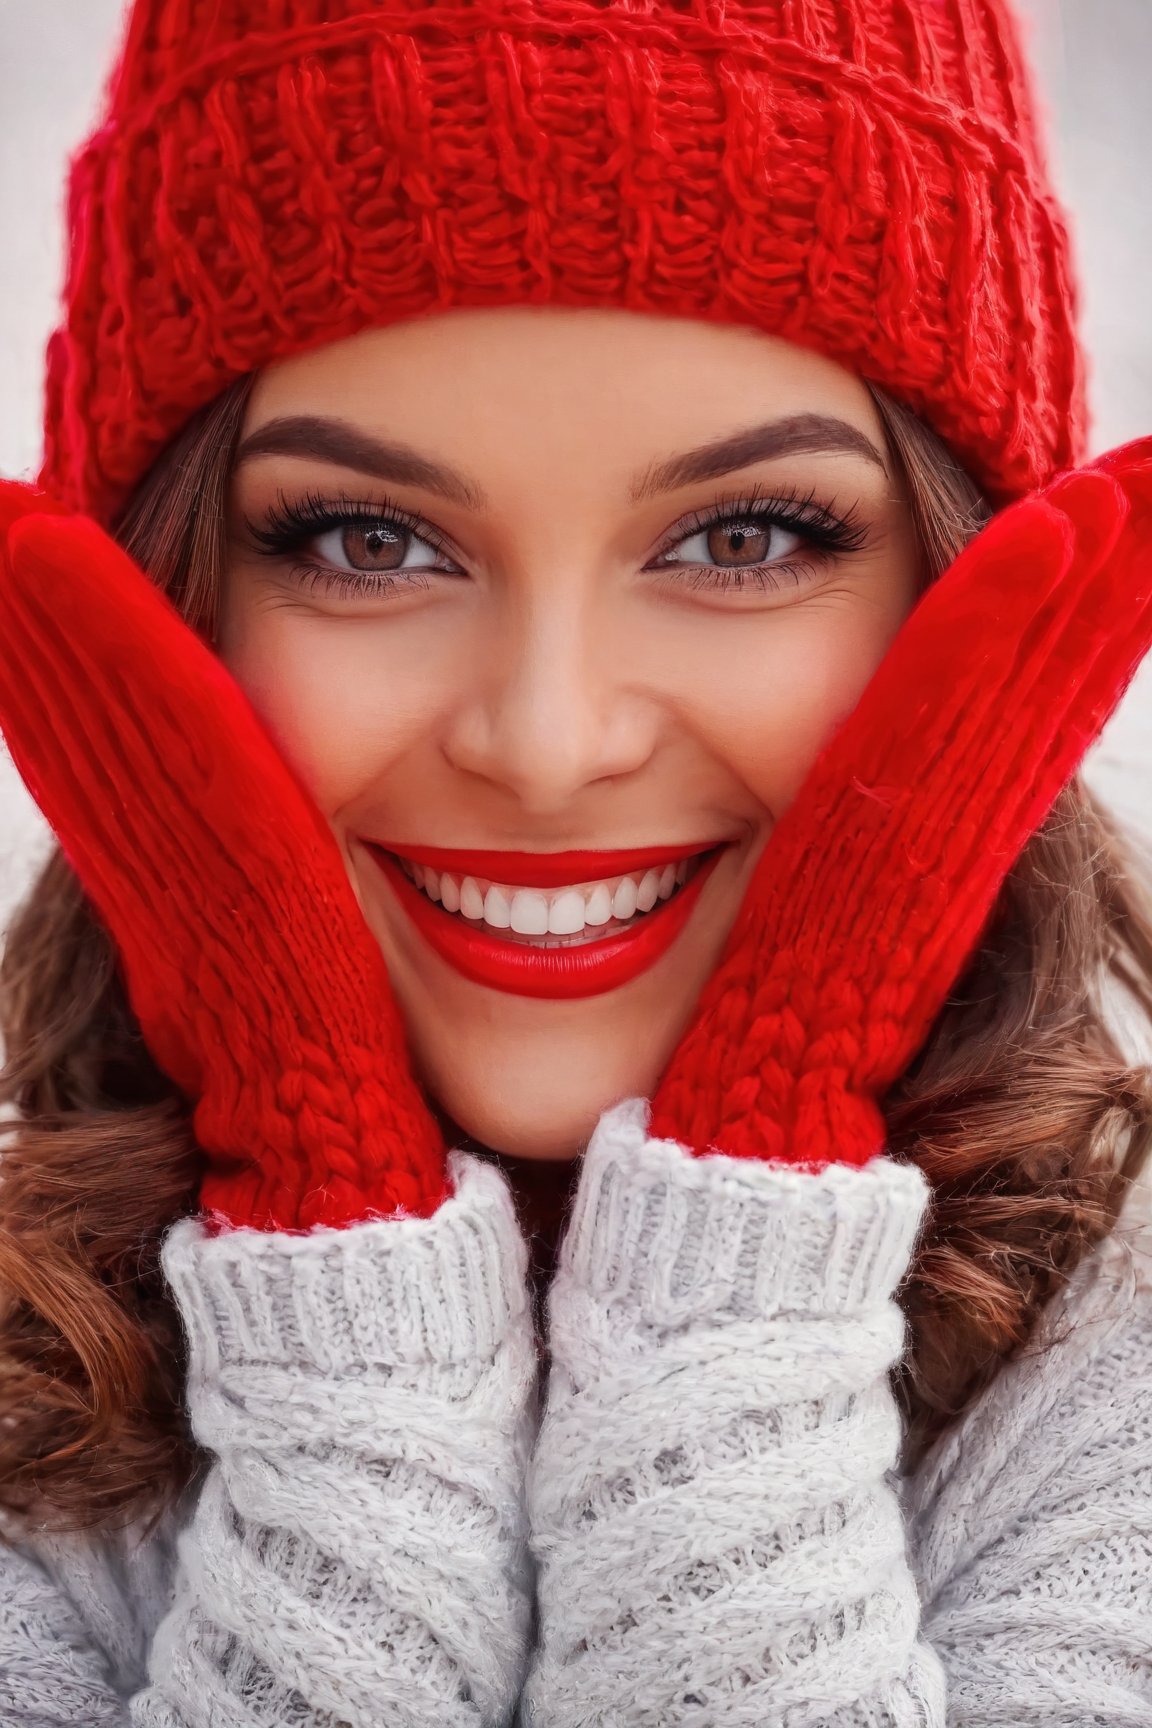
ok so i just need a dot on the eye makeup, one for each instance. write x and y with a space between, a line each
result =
291 526
825 535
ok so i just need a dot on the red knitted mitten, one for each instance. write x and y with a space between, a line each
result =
257 984
880 878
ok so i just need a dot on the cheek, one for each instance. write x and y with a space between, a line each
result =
344 700
772 698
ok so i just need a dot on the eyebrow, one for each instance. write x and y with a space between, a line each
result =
336 441
796 435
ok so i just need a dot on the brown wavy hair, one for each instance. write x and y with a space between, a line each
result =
1021 1109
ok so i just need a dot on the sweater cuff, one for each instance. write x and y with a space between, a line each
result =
677 1237
381 1293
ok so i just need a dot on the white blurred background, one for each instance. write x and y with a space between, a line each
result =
1094 59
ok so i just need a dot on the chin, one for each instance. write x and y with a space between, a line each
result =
531 1080
522 1115
511 1127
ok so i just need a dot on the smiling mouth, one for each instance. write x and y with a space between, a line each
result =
564 933
566 917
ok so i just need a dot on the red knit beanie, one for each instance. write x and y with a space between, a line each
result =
861 176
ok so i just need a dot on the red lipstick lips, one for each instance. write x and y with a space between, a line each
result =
547 869
521 968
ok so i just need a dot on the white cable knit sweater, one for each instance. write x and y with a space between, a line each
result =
357 1554
720 1535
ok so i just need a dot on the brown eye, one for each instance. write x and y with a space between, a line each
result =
736 543
374 547
739 543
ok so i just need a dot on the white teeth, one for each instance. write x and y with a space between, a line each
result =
554 912
471 899
450 893
648 892
497 908
624 899
528 912
599 907
568 913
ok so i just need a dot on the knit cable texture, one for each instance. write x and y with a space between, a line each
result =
716 1537
1028 1527
357 1553
864 177
721 1534
250 967
879 879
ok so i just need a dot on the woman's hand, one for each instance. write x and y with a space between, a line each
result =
716 1528
357 1550
257 984
879 879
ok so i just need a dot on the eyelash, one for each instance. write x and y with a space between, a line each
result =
290 525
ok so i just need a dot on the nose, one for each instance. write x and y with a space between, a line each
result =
551 708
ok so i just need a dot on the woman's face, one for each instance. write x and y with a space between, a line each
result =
536 582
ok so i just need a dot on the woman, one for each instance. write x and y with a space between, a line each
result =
587 788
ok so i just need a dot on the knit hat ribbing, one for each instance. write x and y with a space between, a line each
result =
864 177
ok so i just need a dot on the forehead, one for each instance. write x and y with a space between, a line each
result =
495 387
